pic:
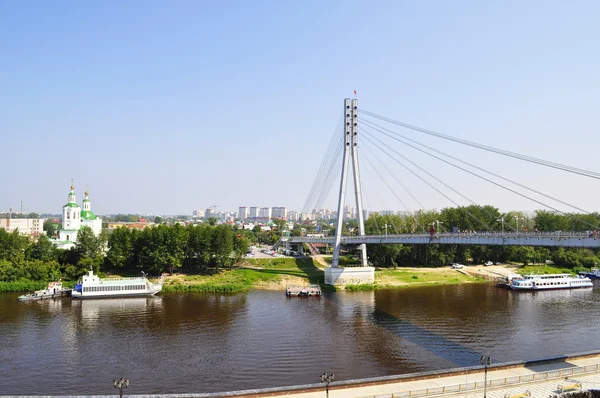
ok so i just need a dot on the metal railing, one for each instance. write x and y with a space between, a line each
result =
491 383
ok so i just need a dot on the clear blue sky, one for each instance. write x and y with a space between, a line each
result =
166 107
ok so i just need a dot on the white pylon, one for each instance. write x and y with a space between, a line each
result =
350 151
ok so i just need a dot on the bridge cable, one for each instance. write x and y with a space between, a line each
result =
371 140
329 176
397 180
327 159
531 159
376 126
385 182
488 180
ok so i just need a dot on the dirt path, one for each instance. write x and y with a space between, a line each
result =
492 271
321 260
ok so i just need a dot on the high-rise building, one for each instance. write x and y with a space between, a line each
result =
210 212
293 216
253 212
279 212
265 212
243 213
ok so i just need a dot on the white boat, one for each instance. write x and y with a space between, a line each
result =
54 289
91 286
549 282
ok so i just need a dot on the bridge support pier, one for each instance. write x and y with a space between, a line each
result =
349 276
355 275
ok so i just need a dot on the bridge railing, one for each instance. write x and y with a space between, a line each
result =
470 234
492 383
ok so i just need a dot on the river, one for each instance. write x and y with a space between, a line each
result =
193 343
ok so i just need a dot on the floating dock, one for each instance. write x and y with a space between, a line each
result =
302 291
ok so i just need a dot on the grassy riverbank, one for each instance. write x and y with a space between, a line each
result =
272 274
275 274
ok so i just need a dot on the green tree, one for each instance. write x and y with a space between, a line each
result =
88 245
550 221
120 245
42 249
222 244
240 246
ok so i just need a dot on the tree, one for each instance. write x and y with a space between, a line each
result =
550 221
50 227
240 246
222 244
120 245
42 250
158 220
88 244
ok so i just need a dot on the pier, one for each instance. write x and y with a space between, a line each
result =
302 291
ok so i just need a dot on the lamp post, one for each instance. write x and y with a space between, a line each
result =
385 225
485 361
121 384
517 218
502 220
326 378
438 222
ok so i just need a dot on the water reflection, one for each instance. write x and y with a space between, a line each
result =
263 339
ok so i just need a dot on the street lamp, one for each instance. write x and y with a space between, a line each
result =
121 384
326 378
502 219
385 225
485 361
438 225
518 218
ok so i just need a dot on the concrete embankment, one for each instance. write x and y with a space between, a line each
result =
508 376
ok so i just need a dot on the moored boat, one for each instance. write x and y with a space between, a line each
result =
91 286
550 282
593 274
54 289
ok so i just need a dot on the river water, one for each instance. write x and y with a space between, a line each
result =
193 343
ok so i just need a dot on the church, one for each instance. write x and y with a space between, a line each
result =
73 218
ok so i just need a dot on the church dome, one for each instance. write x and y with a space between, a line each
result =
88 215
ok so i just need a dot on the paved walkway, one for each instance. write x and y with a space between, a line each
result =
537 388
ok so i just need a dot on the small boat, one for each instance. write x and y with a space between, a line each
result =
54 289
550 282
593 274
504 282
91 286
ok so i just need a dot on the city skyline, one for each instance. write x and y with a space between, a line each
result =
181 107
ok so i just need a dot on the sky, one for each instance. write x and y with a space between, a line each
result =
166 107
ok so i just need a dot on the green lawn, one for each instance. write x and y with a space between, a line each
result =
243 277
543 269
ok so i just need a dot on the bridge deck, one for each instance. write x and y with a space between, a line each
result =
493 238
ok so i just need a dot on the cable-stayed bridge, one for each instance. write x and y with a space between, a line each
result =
379 137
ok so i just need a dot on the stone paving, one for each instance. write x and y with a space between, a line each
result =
537 388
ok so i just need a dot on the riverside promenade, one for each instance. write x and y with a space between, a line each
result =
538 378
519 379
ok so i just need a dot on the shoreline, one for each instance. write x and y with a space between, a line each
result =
274 274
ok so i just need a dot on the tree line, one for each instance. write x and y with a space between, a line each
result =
480 219
156 250
209 248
